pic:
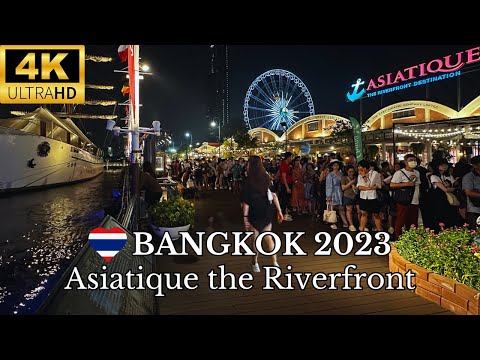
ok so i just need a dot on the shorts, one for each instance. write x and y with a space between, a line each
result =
348 201
371 205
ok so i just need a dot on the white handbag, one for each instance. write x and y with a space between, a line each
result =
330 215
269 196
452 199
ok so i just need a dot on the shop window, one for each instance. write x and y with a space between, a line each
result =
313 126
403 113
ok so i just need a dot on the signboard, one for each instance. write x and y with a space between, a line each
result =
421 74
42 74
357 138
304 148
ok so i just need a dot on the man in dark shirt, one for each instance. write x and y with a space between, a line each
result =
424 187
153 190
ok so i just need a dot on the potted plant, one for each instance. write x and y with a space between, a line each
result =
173 216
446 265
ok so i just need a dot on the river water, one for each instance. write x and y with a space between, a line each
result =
41 232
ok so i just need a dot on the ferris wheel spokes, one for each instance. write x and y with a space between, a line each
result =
275 97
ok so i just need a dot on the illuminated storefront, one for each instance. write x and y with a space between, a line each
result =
207 150
418 126
311 136
395 128
392 129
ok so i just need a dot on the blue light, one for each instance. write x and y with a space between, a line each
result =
116 194
355 95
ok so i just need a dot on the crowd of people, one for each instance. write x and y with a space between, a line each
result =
364 195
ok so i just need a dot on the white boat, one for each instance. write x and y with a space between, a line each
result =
40 150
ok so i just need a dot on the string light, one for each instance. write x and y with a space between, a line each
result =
425 134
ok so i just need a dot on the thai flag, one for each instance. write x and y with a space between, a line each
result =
107 243
123 52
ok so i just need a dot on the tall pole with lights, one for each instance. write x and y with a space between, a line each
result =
213 124
133 131
189 134
284 126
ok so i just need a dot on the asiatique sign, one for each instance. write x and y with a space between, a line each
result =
427 72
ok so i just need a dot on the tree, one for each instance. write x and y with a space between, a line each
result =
230 146
417 148
245 141
341 127
445 149
372 152
184 150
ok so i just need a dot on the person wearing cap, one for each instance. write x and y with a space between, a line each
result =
471 187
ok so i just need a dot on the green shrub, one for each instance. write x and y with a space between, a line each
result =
172 213
453 252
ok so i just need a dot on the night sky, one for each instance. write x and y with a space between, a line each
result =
176 92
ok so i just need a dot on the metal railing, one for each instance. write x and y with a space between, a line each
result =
62 301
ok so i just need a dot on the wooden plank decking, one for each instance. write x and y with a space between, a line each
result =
257 301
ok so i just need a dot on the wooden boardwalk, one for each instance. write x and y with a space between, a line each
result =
257 301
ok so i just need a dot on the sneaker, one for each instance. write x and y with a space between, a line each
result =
333 226
256 268
391 230
276 264
287 217
345 225
366 229
352 228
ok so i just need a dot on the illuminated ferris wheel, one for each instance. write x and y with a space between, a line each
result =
275 97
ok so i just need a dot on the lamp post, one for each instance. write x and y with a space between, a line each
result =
213 124
188 134
284 125
134 73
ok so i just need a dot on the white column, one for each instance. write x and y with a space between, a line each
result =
384 152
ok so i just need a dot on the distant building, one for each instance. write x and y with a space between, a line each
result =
218 109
